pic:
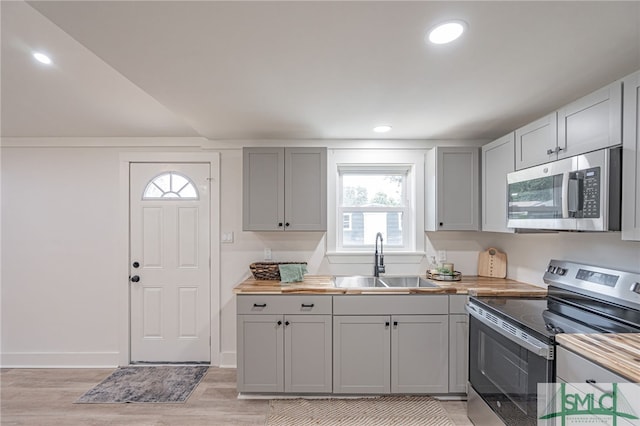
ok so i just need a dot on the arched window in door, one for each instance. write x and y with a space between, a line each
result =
170 185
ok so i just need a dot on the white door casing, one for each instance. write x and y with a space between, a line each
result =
170 312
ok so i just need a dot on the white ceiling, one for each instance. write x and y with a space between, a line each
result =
303 70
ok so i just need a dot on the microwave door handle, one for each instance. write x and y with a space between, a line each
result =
572 195
565 195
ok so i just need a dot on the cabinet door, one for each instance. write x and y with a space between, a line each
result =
263 189
498 159
419 354
361 354
591 122
631 159
308 354
306 189
536 142
456 190
458 353
260 353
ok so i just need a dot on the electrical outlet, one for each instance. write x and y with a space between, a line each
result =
442 255
267 254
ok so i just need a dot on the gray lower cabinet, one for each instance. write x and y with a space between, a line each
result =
391 345
284 344
362 354
458 344
573 368
458 353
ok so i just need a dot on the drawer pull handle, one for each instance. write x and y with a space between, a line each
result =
259 305
307 305
590 381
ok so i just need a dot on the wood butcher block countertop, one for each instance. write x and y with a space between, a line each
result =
619 353
323 284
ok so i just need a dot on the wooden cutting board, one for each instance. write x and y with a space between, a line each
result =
492 263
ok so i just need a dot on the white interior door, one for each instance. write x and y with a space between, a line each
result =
170 262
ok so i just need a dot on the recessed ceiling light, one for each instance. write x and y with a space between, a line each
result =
41 57
446 32
382 129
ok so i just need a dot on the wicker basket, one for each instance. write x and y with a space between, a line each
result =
269 270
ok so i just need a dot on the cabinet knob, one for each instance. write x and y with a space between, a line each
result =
286 224
286 323
441 223
549 152
135 279
279 323
279 224
395 323
386 324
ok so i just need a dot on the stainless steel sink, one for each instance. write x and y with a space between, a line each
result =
359 281
410 281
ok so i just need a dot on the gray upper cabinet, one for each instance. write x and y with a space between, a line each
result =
631 159
589 123
592 122
536 142
497 160
452 189
284 189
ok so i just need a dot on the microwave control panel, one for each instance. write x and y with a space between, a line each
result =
591 193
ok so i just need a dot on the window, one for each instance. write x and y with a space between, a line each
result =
372 199
170 185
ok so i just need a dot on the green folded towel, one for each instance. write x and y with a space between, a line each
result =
292 272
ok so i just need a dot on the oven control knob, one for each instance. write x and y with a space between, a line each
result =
561 271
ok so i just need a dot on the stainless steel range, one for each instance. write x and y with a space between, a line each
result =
512 340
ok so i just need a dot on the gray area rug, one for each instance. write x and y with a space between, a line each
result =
146 384
381 411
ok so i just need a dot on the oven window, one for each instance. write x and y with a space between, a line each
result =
507 371
505 374
536 198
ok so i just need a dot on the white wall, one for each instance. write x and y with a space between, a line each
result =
61 253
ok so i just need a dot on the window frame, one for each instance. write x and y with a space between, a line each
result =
414 252
405 209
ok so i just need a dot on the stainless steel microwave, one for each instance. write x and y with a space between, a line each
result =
581 193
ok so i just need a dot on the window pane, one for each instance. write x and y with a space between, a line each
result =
372 190
365 226
170 185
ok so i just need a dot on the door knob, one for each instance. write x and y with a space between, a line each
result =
135 279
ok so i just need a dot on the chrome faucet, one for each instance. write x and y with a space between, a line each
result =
378 259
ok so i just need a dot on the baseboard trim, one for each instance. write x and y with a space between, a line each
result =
59 359
228 360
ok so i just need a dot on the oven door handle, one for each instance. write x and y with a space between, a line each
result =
531 344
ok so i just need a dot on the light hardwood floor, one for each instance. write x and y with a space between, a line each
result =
45 397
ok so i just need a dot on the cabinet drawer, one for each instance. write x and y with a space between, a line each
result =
390 304
573 368
283 304
457 303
